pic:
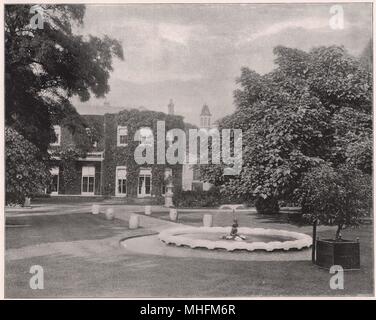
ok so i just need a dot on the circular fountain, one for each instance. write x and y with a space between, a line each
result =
242 238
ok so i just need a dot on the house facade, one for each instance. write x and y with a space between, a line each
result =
109 168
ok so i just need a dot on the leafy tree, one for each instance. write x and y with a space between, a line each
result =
45 67
26 172
335 196
314 107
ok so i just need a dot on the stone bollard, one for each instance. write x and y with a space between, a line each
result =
95 209
173 214
134 221
27 202
148 210
109 214
208 220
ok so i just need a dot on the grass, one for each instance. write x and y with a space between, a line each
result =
111 272
34 230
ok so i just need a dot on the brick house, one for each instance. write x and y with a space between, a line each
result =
109 168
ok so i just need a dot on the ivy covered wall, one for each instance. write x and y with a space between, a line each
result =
124 155
76 144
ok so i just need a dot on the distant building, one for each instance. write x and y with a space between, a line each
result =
205 117
191 172
171 108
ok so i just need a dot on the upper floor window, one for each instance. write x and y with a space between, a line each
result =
146 136
170 138
122 135
57 130
91 137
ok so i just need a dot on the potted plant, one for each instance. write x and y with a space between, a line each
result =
335 196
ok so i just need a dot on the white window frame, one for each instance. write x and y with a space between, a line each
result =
118 135
57 130
144 172
55 172
148 138
117 194
170 138
84 193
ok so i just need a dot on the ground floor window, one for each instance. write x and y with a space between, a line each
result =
144 183
121 181
54 185
88 180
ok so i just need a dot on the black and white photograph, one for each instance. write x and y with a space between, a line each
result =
187 150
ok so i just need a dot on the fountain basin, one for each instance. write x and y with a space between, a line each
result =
257 238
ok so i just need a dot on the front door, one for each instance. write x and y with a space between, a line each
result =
144 183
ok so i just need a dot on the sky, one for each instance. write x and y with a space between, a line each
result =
193 53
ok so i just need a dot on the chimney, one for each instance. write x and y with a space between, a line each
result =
171 107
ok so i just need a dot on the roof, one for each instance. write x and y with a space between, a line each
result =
205 110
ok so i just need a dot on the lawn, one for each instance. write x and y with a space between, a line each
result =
33 230
104 269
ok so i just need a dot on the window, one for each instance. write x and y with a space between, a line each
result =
54 185
57 130
90 135
121 181
144 183
196 173
122 136
88 180
146 135
167 175
170 138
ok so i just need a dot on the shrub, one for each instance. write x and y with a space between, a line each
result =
267 206
199 198
26 172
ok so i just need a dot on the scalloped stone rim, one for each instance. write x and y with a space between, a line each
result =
176 236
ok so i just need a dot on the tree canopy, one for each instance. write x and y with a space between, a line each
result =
335 196
45 67
315 107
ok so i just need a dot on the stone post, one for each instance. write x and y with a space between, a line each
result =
208 220
95 209
109 214
134 221
168 195
173 214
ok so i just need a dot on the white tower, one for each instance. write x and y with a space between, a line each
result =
171 108
205 117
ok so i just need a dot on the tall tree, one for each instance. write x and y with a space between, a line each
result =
47 64
314 107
